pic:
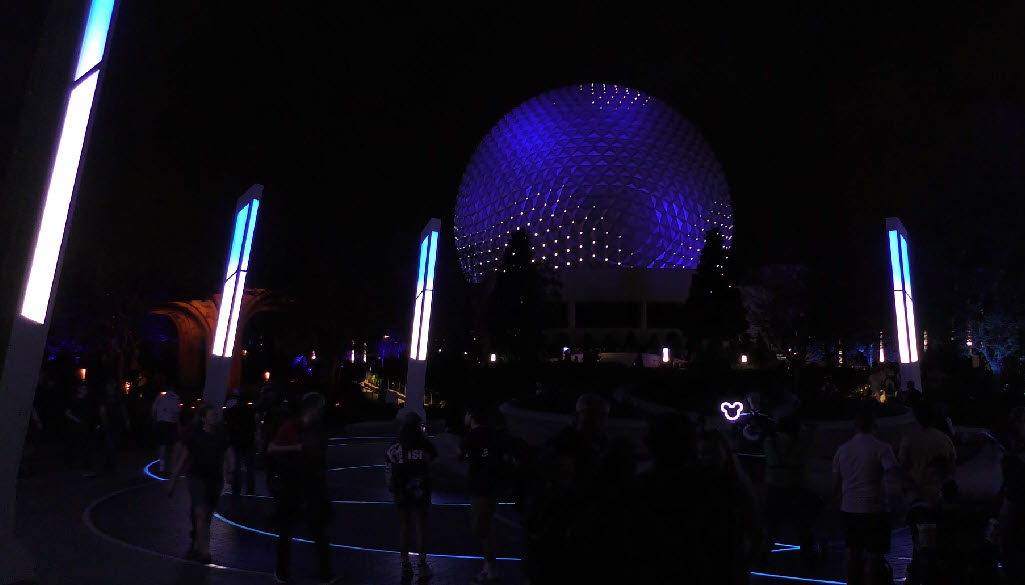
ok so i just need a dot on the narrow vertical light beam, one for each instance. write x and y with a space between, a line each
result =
902 330
909 301
236 306
895 259
665 355
898 297
425 326
240 279
905 267
94 41
903 306
235 279
50 236
423 300
249 234
912 338
230 281
414 346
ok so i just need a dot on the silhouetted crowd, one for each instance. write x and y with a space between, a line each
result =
691 504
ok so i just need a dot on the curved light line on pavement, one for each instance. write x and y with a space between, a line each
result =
391 503
801 579
149 473
350 547
87 520
392 437
354 467
146 470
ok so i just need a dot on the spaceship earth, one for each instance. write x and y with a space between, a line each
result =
598 175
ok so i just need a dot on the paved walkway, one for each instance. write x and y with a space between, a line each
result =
124 529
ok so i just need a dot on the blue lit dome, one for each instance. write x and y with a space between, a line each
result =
598 175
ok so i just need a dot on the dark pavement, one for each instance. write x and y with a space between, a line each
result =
124 529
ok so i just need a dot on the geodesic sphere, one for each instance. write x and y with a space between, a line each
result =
597 175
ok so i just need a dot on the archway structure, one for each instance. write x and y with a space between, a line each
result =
195 322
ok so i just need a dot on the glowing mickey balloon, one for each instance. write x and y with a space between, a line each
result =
727 407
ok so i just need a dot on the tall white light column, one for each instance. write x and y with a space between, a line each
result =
422 301
903 304
218 369
32 320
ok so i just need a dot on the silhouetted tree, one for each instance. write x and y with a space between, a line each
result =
714 312
516 304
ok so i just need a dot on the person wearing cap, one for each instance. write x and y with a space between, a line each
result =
408 476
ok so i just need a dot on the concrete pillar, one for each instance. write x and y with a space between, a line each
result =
422 308
32 174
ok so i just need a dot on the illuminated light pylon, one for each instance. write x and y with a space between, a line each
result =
31 319
423 300
225 333
903 303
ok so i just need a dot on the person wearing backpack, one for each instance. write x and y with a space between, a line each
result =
484 449
407 466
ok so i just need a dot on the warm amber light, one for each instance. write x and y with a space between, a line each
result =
81 374
266 376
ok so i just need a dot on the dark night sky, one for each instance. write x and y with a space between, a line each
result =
360 122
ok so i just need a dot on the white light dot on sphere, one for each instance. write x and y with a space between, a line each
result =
530 150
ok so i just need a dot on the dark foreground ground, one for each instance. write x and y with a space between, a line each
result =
124 529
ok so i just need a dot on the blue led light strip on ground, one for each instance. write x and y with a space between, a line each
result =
354 467
146 470
800 579
350 547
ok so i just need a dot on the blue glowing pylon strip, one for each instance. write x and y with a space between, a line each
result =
94 40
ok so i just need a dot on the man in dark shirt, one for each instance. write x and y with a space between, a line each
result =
300 450
203 453
240 418
484 448
563 485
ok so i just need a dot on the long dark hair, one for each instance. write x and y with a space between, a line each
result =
410 432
